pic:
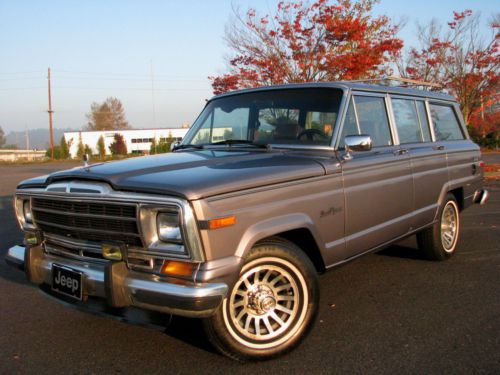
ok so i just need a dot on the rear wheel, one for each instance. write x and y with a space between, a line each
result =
440 241
270 308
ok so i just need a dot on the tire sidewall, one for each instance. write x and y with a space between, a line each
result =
447 253
216 325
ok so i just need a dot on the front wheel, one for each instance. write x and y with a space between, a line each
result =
270 308
440 241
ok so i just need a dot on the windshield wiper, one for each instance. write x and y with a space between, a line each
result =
186 146
231 142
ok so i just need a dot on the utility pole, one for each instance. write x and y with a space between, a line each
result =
50 111
28 142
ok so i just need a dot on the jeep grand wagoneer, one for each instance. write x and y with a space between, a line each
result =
270 187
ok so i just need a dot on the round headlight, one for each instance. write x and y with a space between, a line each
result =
27 211
168 227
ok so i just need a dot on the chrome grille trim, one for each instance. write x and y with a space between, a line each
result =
72 244
107 195
80 229
75 249
84 215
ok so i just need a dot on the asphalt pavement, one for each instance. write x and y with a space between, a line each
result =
387 313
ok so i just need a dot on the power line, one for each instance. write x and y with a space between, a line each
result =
14 73
122 74
102 88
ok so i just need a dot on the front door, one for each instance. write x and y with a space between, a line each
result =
378 184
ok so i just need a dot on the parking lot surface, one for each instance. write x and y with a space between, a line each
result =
387 313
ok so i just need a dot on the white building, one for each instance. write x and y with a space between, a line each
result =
138 140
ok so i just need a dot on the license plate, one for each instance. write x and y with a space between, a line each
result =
67 281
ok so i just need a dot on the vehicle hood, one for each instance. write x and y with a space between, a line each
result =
193 174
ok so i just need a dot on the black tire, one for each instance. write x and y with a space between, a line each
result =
439 242
272 306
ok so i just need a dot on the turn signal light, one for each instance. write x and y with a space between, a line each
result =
221 222
174 268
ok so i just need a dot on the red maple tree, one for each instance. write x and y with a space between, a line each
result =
305 43
464 64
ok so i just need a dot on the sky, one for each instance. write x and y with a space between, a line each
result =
155 56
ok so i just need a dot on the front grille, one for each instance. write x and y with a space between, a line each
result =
87 221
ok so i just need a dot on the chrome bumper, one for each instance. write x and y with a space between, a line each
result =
122 287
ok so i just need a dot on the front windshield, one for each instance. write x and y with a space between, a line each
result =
285 117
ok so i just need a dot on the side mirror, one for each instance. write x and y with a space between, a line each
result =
174 145
361 142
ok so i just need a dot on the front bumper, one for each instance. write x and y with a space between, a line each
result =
122 287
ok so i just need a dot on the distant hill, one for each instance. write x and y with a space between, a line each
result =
39 138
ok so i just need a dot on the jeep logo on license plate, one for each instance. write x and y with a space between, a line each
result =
67 281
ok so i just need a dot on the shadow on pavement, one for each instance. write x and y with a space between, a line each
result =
401 251
187 330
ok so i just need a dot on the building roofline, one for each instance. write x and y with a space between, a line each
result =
121 130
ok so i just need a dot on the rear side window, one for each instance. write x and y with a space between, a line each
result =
405 114
424 121
446 126
372 118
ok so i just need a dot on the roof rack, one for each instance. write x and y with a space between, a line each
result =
407 81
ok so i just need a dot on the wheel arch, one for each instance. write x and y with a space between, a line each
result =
298 229
457 191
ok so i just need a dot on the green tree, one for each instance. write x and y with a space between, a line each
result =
118 147
109 115
80 148
154 147
63 145
88 150
2 137
57 152
101 147
163 146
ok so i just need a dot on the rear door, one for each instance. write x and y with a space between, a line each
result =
428 158
378 183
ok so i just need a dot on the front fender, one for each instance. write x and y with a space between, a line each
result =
272 227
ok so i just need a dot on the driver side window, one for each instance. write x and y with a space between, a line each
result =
367 115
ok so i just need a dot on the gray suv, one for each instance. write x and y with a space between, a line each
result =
269 188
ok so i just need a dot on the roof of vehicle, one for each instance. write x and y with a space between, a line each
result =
346 85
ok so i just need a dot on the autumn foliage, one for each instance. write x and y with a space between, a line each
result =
465 65
305 43
109 115
118 147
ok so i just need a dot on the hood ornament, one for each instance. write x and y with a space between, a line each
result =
86 159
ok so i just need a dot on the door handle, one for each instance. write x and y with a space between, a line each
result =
401 151
440 147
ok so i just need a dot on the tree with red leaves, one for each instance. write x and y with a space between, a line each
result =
464 64
118 147
307 43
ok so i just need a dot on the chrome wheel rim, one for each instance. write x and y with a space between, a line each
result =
268 303
449 226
